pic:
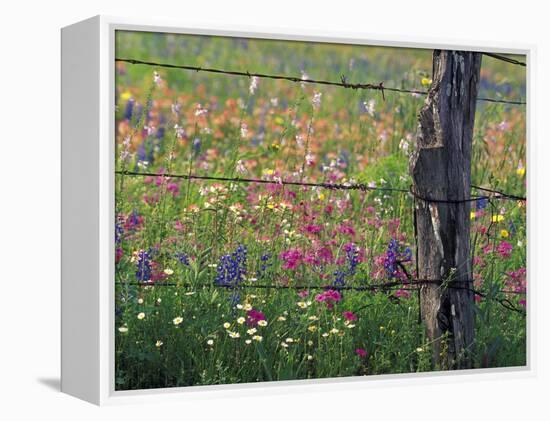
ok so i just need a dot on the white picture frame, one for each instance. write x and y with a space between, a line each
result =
88 130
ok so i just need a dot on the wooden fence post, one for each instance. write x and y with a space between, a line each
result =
440 168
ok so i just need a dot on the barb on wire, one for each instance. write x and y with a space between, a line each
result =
500 193
506 59
343 81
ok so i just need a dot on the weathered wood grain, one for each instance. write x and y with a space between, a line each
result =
440 168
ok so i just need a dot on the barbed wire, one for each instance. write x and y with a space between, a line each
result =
343 83
495 194
381 287
506 59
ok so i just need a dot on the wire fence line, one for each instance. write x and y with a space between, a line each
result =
506 59
495 194
408 286
369 287
343 83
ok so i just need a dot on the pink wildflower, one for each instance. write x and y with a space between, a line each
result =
350 316
346 229
313 229
505 249
253 316
361 352
292 258
329 297
325 254
402 293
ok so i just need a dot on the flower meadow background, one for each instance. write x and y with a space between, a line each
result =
191 255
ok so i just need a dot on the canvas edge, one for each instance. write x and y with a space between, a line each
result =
80 362
107 395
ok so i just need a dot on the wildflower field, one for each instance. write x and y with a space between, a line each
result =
222 279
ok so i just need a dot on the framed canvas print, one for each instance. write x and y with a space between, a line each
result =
247 209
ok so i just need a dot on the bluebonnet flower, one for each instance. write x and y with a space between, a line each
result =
119 232
394 255
142 152
232 268
196 145
264 266
183 258
137 111
512 228
143 272
481 203
352 260
390 262
340 276
128 110
132 221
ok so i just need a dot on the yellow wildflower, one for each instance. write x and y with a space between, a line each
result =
498 218
504 233
125 96
521 169
425 81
